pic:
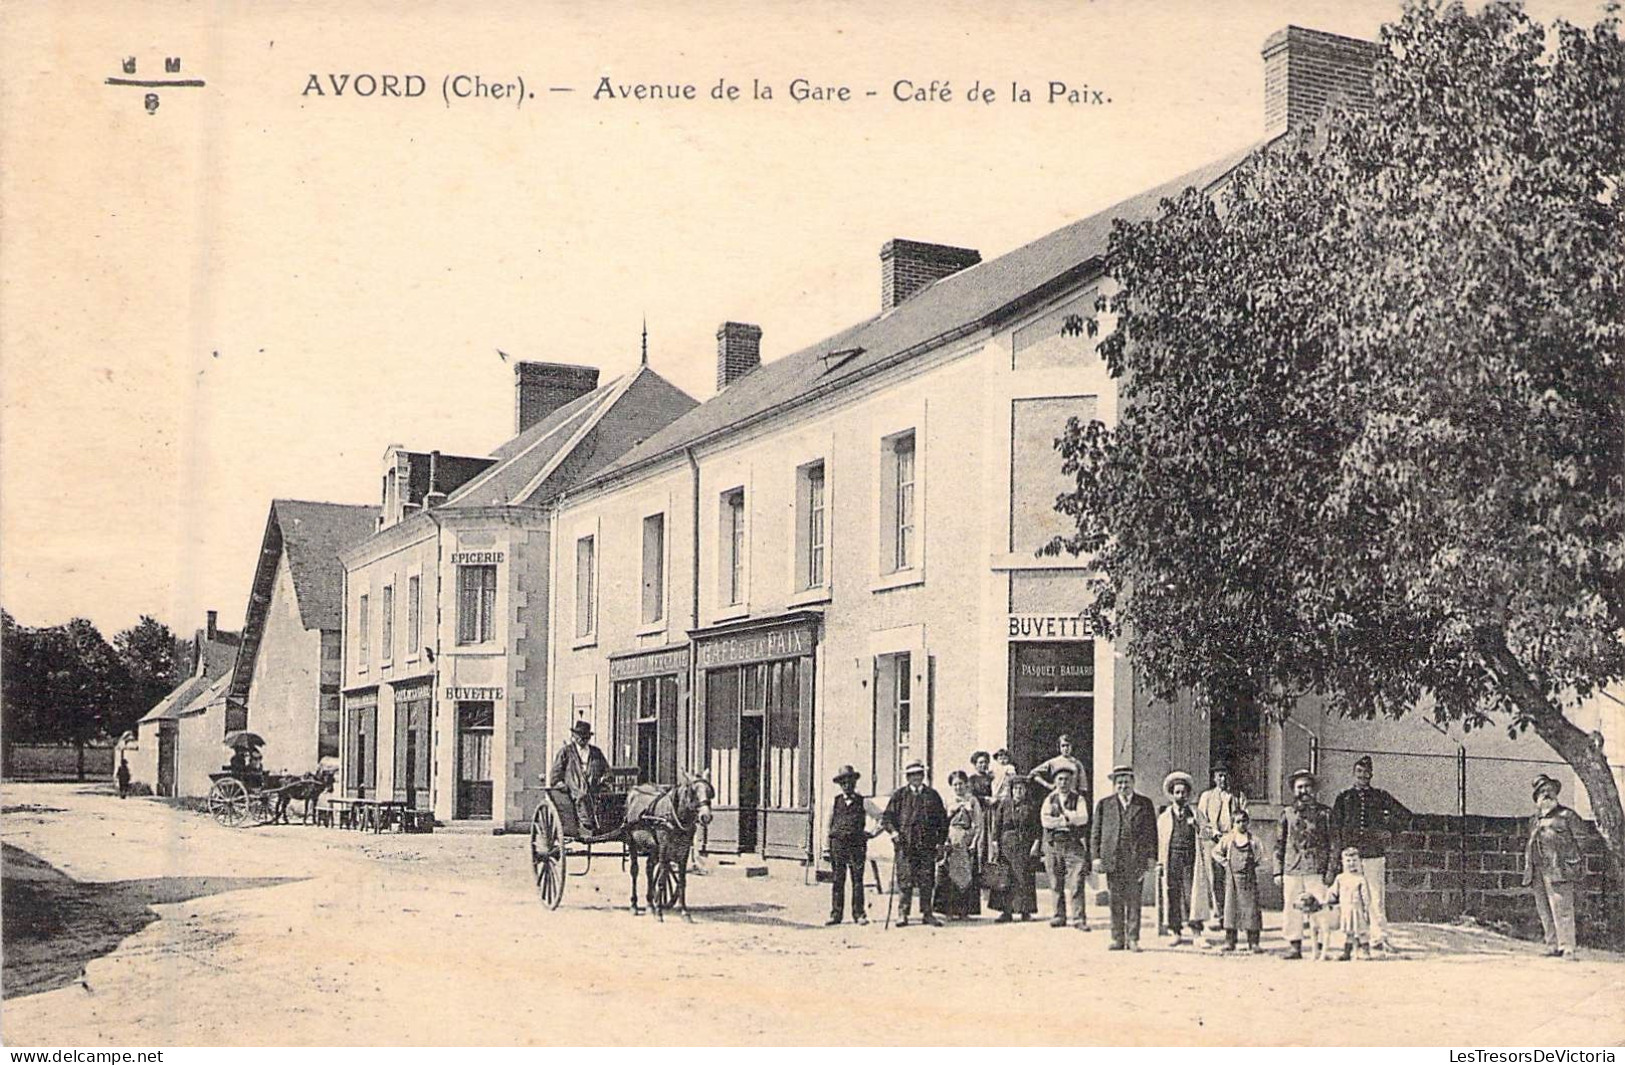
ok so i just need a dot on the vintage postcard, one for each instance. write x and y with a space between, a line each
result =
906 524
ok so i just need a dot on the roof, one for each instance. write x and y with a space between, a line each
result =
575 441
313 534
309 536
952 307
169 707
213 691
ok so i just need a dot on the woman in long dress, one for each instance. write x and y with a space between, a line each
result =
959 883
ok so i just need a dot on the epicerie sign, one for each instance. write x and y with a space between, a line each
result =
1048 627
474 695
475 558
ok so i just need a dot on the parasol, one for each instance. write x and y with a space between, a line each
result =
238 739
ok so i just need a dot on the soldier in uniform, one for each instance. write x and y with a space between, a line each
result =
1366 818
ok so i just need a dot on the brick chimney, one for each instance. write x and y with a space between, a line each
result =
540 388
212 625
739 351
906 266
1305 70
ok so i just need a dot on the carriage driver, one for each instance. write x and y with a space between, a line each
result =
581 768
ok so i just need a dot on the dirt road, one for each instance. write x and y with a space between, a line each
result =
134 923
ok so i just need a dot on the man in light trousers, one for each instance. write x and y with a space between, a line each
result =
1366 818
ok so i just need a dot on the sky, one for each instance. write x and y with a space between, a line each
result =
254 290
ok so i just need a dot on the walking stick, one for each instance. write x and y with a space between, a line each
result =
891 896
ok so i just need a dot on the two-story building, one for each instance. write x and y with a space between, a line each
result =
447 604
834 561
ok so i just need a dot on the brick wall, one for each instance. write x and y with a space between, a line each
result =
1446 866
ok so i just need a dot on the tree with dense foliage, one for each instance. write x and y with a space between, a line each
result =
153 660
1370 440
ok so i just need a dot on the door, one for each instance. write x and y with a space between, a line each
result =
166 759
750 781
475 724
787 772
412 751
720 710
1051 694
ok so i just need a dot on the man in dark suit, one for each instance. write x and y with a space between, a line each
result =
918 824
581 768
1124 842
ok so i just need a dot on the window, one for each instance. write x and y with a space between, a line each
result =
327 739
899 548
586 587
476 604
386 631
733 547
903 481
898 739
654 568
414 616
363 635
811 527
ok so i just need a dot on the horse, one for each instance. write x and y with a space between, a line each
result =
660 824
308 788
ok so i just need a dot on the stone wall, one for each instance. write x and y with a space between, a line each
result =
1447 866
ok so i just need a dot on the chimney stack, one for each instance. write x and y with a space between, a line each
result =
212 626
1306 70
540 388
739 351
906 266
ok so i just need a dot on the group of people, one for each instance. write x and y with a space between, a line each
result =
999 824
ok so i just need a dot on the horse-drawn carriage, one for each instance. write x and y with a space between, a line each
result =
651 821
242 793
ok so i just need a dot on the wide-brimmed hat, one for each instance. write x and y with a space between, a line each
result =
1122 771
915 766
1302 774
581 728
1175 777
847 773
1543 782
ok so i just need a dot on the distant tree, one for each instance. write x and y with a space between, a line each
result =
82 685
1370 439
148 651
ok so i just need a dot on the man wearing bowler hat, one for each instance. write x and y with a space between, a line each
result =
1366 818
849 838
1124 843
581 768
918 824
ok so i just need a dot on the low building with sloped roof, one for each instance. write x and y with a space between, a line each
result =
155 756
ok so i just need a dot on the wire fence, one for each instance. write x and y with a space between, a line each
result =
1460 782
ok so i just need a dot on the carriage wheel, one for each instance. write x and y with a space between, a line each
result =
228 802
547 855
264 807
665 892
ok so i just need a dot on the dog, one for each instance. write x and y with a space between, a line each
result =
1322 918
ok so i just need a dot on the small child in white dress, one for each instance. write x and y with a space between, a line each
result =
1353 897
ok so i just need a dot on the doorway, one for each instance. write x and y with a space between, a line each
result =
1052 694
475 724
750 781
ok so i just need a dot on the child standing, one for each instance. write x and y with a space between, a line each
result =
1353 897
1237 853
